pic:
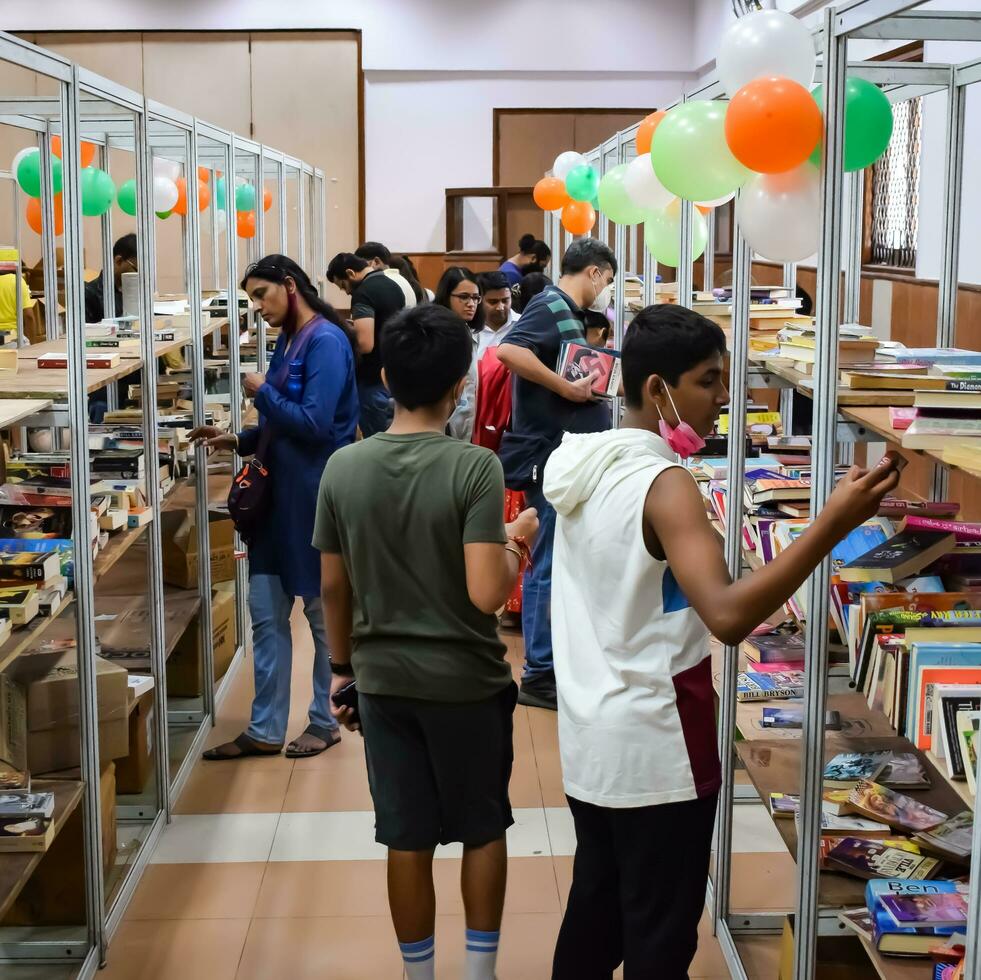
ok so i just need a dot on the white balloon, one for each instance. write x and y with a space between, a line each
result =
765 43
717 202
564 162
15 163
166 168
164 194
643 187
221 221
780 214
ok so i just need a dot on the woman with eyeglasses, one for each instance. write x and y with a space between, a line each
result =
458 291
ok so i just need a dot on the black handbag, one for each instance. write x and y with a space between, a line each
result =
250 496
523 458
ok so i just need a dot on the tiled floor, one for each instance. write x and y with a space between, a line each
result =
270 869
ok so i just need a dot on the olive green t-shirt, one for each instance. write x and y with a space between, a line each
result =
399 509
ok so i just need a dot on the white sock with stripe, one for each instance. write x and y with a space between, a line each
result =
481 954
419 959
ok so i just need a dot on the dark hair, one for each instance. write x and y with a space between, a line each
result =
529 287
526 244
125 247
341 263
585 252
408 272
541 252
666 340
279 268
490 281
425 351
592 320
374 250
448 282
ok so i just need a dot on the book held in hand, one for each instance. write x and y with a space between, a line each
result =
578 361
878 802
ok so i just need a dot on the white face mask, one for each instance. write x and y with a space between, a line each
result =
602 302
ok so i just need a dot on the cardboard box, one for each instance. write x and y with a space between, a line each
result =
59 748
108 787
180 547
184 671
13 731
133 770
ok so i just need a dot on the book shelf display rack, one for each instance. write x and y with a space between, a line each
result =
754 762
103 837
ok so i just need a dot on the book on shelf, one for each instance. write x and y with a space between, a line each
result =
933 355
26 804
578 361
930 665
865 858
948 702
755 686
904 770
775 648
904 554
25 835
891 937
933 432
960 372
101 360
956 396
878 802
963 531
901 418
849 825
849 351
858 921
926 911
765 489
968 385
28 567
19 604
952 839
968 725
895 507
792 717
850 768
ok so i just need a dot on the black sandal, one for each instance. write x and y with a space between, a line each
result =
246 749
329 736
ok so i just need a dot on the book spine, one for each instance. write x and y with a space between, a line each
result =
20 573
963 385
961 530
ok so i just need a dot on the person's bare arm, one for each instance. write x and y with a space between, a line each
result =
676 515
523 362
335 594
364 331
492 569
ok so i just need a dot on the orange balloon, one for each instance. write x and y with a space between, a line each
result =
204 174
645 131
181 206
773 125
266 199
704 208
86 150
204 195
245 224
34 215
550 194
578 217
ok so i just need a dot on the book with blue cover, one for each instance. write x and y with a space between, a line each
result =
934 355
753 686
892 938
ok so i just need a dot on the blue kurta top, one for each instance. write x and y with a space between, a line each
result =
306 433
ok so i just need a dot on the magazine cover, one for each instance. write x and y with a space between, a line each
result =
578 361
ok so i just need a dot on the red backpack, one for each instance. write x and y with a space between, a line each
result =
492 415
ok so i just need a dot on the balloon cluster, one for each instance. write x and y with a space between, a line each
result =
766 141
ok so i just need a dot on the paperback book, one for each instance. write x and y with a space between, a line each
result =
849 768
908 938
865 858
905 554
952 839
578 361
755 686
878 802
926 911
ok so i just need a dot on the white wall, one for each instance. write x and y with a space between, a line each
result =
434 72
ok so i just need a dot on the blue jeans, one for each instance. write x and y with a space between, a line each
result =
536 596
377 408
272 642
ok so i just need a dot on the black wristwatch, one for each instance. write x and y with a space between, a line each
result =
341 670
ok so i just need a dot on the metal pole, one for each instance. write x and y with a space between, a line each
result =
301 212
708 259
823 456
146 260
213 220
81 506
738 370
109 292
685 274
49 249
193 249
787 394
260 243
854 206
322 236
19 270
284 229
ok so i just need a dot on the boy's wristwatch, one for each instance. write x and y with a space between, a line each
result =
342 670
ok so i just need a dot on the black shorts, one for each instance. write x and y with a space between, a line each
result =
438 770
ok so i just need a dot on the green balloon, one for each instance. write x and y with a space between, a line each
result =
614 201
163 215
868 123
245 197
220 201
126 196
691 156
662 234
98 191
581 183
29 173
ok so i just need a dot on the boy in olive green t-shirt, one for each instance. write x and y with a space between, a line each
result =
415 562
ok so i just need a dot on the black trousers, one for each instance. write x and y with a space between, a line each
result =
638 891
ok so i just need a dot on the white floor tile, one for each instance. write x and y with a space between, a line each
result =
561 830
203 838
753 831
342 836
528 836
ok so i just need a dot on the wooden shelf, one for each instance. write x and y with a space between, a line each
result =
14 410
804 383
16 869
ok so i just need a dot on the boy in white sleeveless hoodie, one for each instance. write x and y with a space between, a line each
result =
639 583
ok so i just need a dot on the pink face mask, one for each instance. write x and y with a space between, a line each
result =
682 438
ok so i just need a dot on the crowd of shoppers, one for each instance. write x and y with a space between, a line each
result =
481 471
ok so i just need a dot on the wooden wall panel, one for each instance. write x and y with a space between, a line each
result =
528 143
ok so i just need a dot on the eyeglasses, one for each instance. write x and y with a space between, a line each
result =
467 297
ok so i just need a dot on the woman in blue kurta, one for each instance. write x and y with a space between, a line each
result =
308 402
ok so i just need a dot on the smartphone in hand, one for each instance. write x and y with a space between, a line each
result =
347 697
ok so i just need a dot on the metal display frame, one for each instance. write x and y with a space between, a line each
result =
89 107
840 250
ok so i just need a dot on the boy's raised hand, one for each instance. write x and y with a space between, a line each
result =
525 526
858 494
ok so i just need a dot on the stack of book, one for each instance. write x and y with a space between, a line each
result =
25 820
899 368
856 346
939 415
